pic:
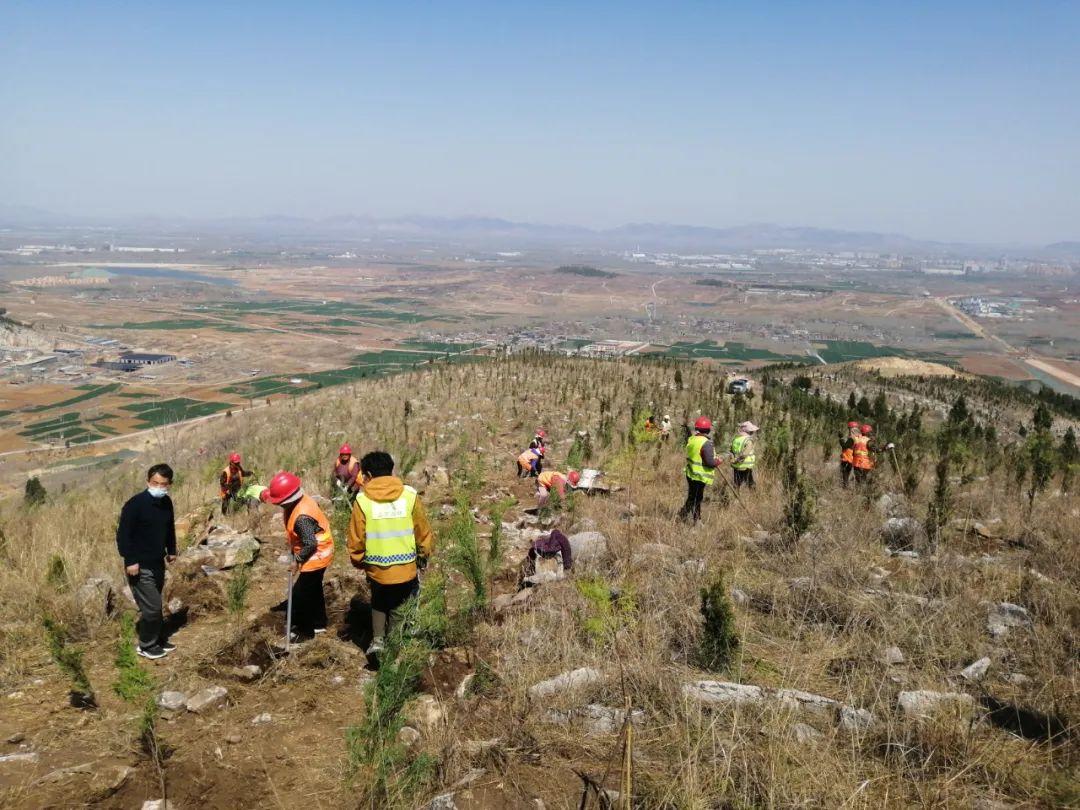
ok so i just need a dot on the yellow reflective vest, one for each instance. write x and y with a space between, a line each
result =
737 446
695 467
388 529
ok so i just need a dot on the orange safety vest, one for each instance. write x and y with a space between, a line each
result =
860 454
226 490
549 480
324 550
352 465
526 459
848 456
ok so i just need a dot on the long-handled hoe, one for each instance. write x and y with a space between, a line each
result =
288 611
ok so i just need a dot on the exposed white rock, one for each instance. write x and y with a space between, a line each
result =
722 692
566 683
588 548
975 671
892 656
212 697
926 702
172 701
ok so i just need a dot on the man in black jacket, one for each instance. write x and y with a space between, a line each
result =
146 539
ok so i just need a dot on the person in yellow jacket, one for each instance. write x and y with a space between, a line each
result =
389 534
743 455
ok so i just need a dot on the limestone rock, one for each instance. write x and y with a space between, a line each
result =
408 736
248 673
715 693
1005 615
96 598
28 757
596 719
853 719
426 713
172 701
805 734
588 548
262 719
892 656
480 748
797 699
925 702
210 698
566 683
901 532
975 671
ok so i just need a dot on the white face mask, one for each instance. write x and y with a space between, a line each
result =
157 492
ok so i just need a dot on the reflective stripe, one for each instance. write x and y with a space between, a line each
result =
695 467
385 535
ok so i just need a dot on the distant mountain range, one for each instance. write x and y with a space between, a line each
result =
505 234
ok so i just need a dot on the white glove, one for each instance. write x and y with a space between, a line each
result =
890 446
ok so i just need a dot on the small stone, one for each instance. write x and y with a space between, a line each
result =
566 682
892 656
1005 615
27 757
925 702
16 738
739 596
172 701
408 736
426 713
480 748
853 719
212 697
249 673
1016 678
96 598
976 670
805 734
901 532
338 680
15 695
262 719
175 605
234 739
158 804
444 801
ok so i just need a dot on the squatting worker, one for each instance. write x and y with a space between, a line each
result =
146 539
307 531
389 534
701 463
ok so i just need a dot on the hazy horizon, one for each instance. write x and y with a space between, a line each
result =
952 124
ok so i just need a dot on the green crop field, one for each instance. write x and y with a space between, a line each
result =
88 393
328 309
166 412
177 325
732 350
437 346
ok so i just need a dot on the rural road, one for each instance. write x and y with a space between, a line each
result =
1033 360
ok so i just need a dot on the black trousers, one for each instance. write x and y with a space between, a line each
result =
386 601
308 602
146 587
744 477
845 472
861 475
695 493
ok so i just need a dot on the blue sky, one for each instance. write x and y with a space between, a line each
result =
949 120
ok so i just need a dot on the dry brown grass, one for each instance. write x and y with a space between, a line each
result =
824 635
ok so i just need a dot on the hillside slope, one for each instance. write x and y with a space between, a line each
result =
860 625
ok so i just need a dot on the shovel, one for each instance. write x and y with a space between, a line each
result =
288 612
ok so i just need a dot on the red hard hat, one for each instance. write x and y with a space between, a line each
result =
573 477
282 486
866 430
345 450
703 423
852 424
234 458
540 434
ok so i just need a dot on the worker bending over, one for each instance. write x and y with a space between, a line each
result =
311 544
743 456
547 481
530 463
701 463
389 534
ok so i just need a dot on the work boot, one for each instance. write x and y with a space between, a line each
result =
152 652
373 651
